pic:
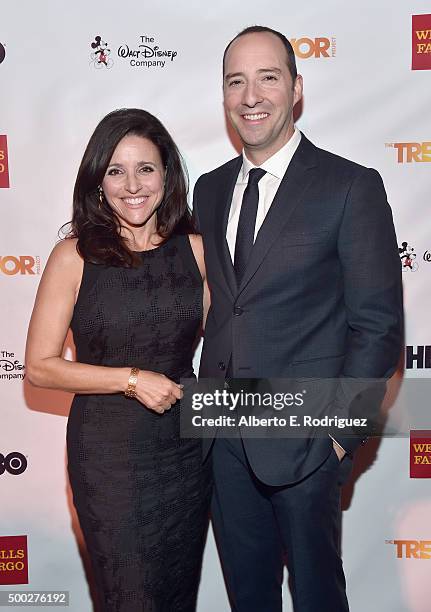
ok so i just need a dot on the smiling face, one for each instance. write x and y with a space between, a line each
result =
259 94
134 181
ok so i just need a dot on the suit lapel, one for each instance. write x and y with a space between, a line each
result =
289 195
224 198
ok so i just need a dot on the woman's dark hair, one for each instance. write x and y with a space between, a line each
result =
96 227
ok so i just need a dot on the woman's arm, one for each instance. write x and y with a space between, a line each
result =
198 252
50 321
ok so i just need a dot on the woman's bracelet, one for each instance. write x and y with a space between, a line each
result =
130 392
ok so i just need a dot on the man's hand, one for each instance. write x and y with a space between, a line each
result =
338 449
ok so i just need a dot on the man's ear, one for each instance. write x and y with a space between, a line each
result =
297 89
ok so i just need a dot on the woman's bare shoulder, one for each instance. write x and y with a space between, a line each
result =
65 258
66 251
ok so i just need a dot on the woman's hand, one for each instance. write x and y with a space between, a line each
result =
156 391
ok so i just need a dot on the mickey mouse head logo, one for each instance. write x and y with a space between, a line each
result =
407 256
100 56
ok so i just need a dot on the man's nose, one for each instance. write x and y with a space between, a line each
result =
251 94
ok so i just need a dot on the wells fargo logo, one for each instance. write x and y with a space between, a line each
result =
20 264
4 164
412 549
421 42
420 454
408 152
314 47
13 560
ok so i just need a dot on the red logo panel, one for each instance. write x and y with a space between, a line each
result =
4 165
13 560
420 454
421 42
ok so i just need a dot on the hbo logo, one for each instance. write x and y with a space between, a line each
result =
14 463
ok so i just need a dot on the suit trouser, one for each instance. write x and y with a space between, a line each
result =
258 526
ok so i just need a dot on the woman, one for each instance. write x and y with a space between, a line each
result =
129 281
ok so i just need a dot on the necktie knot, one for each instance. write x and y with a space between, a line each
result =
255 175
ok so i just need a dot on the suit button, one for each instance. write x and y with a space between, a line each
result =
221 365
237 311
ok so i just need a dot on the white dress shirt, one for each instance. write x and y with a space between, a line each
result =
275 168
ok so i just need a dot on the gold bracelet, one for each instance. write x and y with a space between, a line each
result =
130 392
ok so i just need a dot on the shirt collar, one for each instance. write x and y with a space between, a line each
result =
278 163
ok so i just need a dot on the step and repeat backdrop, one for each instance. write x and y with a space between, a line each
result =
367 96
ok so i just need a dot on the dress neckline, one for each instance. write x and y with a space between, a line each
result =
156 248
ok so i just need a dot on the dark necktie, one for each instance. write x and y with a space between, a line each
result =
247 222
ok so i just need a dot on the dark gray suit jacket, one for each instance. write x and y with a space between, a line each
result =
321 295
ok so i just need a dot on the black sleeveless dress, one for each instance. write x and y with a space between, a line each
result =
140 490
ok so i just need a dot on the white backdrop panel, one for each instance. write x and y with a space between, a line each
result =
356 102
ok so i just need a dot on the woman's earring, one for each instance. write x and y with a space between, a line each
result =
100 197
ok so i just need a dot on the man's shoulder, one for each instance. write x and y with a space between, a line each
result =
333 162
226 169
341 162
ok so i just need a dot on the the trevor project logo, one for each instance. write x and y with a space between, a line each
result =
408 152
421 42
420 453
4 164
13 560
11 265
412 549
306 47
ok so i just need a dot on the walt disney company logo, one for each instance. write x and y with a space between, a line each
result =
146 54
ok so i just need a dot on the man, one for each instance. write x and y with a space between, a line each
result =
305 281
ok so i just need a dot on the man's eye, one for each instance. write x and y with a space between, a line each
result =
270 77
234 83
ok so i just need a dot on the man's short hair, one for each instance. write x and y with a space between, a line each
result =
291 61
